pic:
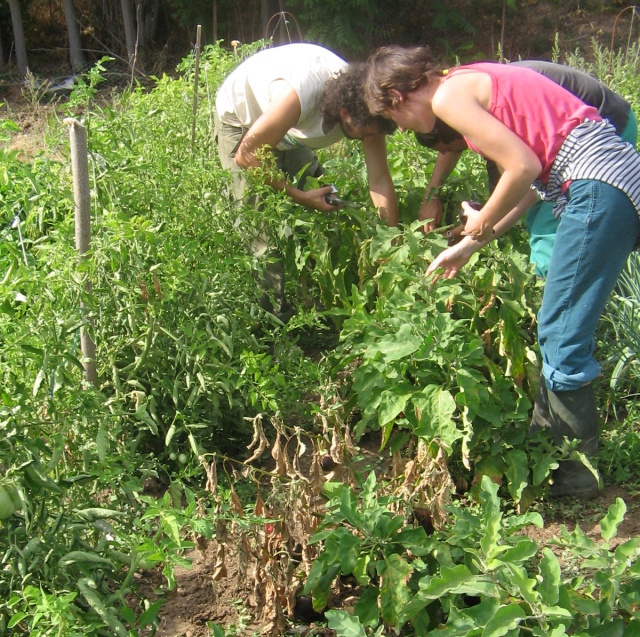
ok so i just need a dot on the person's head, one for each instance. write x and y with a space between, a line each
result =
394 70
442 138
343 105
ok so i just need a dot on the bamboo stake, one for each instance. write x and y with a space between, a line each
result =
82 200
195 89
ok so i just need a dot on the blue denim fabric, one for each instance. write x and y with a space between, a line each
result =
541 223
596 234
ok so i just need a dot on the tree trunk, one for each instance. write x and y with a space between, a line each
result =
18 37
151 21
129 29
215 21
2 62
140 27
76 54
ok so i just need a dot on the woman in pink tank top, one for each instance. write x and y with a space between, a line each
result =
541 136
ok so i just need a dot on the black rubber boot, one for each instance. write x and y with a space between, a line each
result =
574 415
541 416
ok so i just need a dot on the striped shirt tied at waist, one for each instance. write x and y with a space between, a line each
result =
593 150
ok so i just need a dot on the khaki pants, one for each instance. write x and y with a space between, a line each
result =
291 162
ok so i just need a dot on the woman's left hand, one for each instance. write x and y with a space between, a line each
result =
476 227
452 259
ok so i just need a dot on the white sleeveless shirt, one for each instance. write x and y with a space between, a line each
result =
244 95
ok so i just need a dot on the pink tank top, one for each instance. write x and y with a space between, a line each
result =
535 108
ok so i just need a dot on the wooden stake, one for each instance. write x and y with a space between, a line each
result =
82 200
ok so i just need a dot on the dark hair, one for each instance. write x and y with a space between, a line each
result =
346 90
441 133
404 69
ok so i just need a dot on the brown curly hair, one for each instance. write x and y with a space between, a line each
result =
346 90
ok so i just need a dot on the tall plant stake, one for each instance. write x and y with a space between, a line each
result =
82 200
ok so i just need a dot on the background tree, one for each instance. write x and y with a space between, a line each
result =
19 42
129 30
2 62
76 53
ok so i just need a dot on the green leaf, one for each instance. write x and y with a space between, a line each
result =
491 518
348 552
517 472
344 624
16 619
102 443
393 401
608 628
395 346
434 410
627 550
143 416
361 570
39 379
506 619
550 574
37 476
524 585
610 523
541 466
524 550
470 621
415 540
218 631
581 604
348 509
108 615
84 557
149 616
394 572
451 579
171 525
366 607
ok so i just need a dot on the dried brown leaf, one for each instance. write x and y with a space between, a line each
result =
258 509
335 451
212 476
316 479
259 440
277 453
235 501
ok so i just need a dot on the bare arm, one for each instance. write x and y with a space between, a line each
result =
431 207
456 256
461 102
381 187
268 130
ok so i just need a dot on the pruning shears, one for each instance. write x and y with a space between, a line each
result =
333 200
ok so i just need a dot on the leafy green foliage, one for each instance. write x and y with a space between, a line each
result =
480 575
430 357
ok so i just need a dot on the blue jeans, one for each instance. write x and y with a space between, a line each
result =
541 223
596 234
